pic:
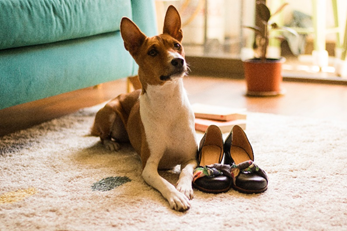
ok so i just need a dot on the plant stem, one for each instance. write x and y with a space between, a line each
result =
265 45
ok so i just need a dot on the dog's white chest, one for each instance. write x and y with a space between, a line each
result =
168 121
164 103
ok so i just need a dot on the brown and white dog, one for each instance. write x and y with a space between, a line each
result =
158 119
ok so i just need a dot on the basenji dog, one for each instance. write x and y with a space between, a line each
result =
157 119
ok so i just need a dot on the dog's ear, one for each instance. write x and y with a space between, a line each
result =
132 35
172 23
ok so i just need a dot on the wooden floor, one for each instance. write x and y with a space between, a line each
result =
314 100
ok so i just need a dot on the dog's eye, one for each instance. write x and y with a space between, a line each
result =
177 46
152 52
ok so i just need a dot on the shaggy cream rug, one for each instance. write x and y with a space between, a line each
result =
56 177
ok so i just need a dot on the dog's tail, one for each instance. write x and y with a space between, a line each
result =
94 131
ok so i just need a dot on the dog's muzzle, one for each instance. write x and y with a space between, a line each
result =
179 68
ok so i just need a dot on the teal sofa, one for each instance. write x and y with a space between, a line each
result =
49 47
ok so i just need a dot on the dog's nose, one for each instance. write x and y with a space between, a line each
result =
177 62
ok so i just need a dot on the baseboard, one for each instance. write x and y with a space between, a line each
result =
226 67
26 115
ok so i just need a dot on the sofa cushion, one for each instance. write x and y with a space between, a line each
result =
35 72
33 22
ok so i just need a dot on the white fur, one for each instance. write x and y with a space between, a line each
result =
169 127
174 55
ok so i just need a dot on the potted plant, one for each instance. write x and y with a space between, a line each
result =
264 75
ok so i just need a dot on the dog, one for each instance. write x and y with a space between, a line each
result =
157 119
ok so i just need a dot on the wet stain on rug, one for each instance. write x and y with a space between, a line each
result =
110 183
18 195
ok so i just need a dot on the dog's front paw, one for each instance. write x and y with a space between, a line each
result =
111 145
186 189
178 201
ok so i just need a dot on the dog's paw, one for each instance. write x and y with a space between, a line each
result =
112 145
178 201
185 188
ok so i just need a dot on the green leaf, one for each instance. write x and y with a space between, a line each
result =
283 28
280 9
274 26
279 37
263 12
255 28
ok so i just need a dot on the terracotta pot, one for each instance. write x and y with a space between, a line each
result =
263 78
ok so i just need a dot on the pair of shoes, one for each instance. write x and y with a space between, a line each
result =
238 171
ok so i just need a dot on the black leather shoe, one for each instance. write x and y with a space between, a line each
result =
210 176
247 176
